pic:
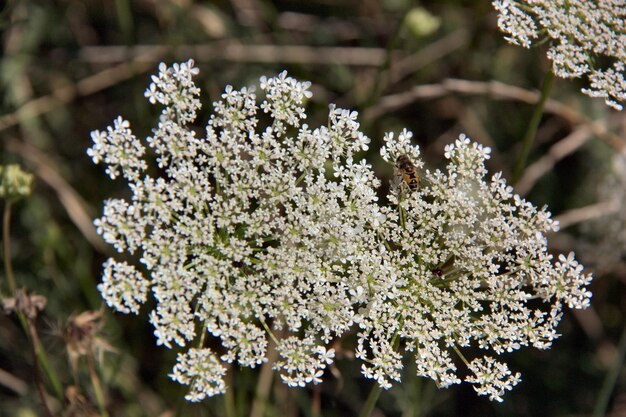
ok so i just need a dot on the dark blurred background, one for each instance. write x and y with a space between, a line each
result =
438 68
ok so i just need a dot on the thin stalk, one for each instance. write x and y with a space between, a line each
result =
412 384
125 20
402 212
611 378
97 386
6 252
377 86
39 381
302 176
269 331
316 401
229 397
531 131
367 409
50 373
241 398
38 351
264 383
458 352
380 237
266 375
372 398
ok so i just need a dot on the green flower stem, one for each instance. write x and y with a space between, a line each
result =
415 404
383 70
97 387
38 350
125 20
229 396
38 380
367 409
458 352
531 131
402 211
372 398
264 383
611 378
6 252
50 372
316 401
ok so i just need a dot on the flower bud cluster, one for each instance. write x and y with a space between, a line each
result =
15 183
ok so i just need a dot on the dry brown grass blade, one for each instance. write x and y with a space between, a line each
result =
558 151
89 85
73 203
495 90
582 214
427 55
13 383
233 51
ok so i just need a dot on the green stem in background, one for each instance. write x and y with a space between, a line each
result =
265 379
125 20
367 409
38 351
611 378
372 398
6 252
50 373
242 399
38 380
413 403
382 70
97 386
229 398
316 401
531 131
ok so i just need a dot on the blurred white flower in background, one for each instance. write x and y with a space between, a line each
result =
606 232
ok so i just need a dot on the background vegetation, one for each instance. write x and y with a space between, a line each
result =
438 68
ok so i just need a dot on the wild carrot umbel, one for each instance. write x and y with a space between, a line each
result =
586 38
269 228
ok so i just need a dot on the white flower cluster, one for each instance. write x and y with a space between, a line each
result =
273 230
202 371
302 361
467 258
587 37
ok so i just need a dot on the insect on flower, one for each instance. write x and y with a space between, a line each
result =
408 171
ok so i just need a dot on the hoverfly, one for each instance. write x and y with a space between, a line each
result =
408 171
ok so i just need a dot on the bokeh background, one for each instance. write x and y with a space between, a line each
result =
437 68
